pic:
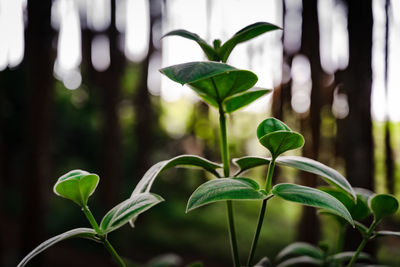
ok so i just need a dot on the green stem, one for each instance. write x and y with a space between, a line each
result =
113 253
91 219
229 207
261 216
363 243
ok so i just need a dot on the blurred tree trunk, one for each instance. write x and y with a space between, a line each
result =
359 154
39 70
144 112
110 86
388 148
309 224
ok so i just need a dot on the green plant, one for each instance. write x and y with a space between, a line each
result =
228 89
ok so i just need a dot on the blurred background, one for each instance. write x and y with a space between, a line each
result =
80 89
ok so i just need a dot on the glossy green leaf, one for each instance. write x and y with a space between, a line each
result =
277 137
207 49
302 261
347 255
212 81
300 249
148 178
225 189
128 209
76 185
330 175
312 197
243 35
358 210
383 205
75 233
238 101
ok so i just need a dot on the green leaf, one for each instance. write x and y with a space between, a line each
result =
238 101
383 205
386 233
243 35
225 189
277 137
148 178
301 249
302 261
347 255
207 49
75 233
264 262
312 197
330 175
128 209
358 210
76 185
212 81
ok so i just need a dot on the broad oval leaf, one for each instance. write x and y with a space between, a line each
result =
302 261
76 185
238 101
301 249
243 35
330 175
207 49
225 189
212 81
312 197
75 233
281 141
271 125
383 205
128 209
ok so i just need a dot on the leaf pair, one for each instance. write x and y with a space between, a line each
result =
247 189
277 137
221 53
218 84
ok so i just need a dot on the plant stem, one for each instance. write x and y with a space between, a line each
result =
113 253
91 219
363 243
229 207
261 216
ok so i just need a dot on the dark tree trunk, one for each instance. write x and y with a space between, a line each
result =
357 84
144 112
110 86
39 68
309 224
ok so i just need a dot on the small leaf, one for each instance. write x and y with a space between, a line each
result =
300 249
148 178
277 137
302 260
243 35
330 175
238 101
128 209
225 189
312 197
79 232
347 255
76 185
383 205
212 81
207 49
